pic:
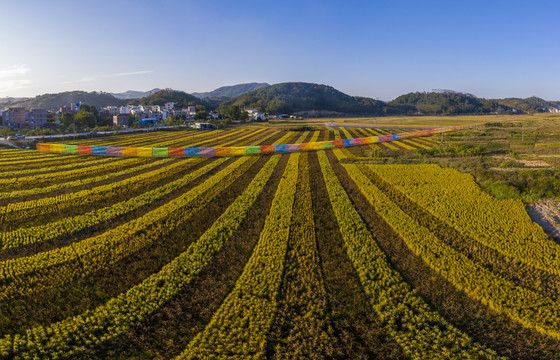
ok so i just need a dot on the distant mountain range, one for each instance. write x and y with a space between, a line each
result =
11 100
132 94
231 91
296 97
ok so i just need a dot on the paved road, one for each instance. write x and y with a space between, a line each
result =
8 143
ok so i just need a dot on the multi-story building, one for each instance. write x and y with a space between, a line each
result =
191 111
120 120
19 118
36 118
64 109
124 110
111 110
75 107
15 118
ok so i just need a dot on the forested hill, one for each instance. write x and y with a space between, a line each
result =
529 105
298 96
55 101
227 92
180 98
294 97
444 103
133 94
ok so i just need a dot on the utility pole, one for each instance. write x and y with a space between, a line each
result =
522 133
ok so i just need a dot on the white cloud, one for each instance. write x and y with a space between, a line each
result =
82 80
11 78
14 71
13 84
135 73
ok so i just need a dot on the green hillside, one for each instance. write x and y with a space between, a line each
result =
298 96
180 98
55 101
444 103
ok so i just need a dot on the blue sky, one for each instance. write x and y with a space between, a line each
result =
379 49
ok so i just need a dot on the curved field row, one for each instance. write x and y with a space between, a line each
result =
67 226
456 199
240 326
65 165
32 208
274 256
116 316
136 167
33 273
21 182
430 334
501 295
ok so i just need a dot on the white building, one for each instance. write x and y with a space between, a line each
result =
124 110
259 117
111 110
251 112
75 106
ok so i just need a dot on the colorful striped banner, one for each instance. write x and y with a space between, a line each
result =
237 150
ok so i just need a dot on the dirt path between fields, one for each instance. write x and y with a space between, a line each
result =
546 213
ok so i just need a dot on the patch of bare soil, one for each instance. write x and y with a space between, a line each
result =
546 213
512 169
534 163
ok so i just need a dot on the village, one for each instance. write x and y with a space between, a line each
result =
17 118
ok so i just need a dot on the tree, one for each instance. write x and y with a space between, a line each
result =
173 120
201 115
108 121
66 120
234 112
85 119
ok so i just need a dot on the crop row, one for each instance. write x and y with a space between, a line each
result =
33 208
260 140
89 180
525 306
35 159
49 268
359 332
18 155
75 334
59 176
241 324
128 139
70 225
58 159
509 268
426 334
210 136
455 198
302 327
53 168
